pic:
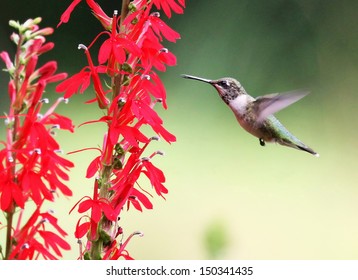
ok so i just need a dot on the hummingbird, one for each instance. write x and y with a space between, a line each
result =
255 115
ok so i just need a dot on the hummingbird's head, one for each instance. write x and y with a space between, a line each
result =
228 88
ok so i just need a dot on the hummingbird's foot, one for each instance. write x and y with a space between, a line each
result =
262 142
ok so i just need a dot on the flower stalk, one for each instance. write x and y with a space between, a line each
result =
31 171
129 59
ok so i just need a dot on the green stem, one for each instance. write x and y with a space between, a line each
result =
105 226
17 63
9 220
118 79
124 13
11 212
116 86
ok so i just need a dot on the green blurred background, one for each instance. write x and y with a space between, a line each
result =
230 198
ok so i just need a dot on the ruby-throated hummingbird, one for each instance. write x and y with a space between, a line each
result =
255 115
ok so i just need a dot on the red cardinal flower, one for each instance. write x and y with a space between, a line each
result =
170 5
32 169
128 90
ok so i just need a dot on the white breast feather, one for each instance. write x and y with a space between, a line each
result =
238 105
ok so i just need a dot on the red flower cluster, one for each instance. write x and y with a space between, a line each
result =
31 168
128 59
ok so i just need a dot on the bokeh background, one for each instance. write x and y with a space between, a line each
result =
230 198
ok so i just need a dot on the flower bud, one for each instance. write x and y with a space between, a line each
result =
15 38
127 68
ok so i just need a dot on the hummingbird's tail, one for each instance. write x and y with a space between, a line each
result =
297 145
308 150
284 137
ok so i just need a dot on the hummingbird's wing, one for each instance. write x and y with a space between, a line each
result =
269 104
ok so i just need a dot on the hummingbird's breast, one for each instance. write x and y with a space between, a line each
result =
241 108
247 118
240 105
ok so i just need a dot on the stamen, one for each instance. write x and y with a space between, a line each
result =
163 50
44 100
147 77
45 220
8 121
121 101
141 234
155 14
25 246
160 153
82 46
65 100
55 126
39 117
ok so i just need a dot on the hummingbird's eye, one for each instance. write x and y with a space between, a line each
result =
224 84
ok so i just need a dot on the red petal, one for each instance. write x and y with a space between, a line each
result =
5 198
142 198
93 167
82 229
66 15
104 51
77 82
108 211
85 205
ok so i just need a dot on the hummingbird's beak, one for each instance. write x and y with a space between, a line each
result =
196 78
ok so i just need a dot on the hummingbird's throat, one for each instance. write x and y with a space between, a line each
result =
227 94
